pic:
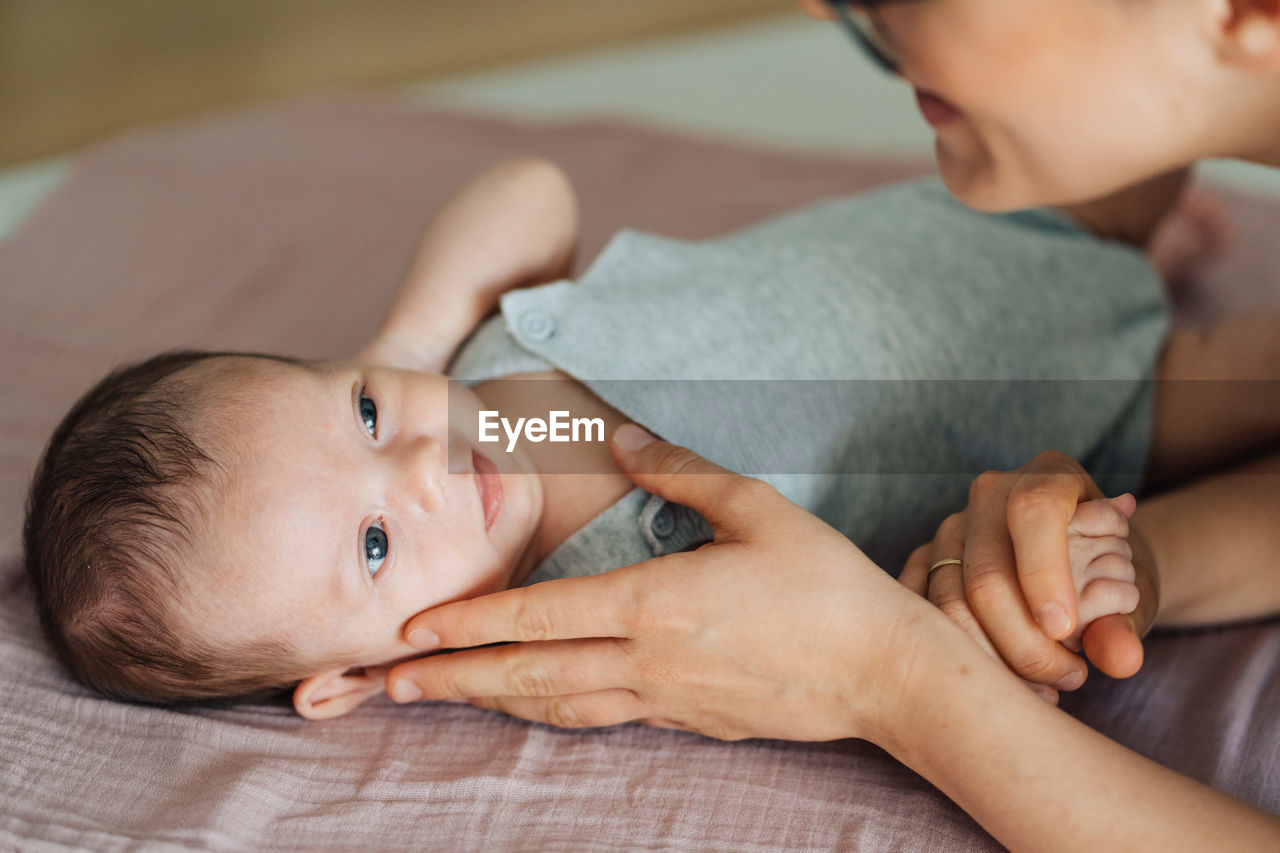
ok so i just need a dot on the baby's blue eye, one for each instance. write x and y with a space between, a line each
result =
375 548
369 414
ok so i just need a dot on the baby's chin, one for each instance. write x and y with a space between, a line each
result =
514 531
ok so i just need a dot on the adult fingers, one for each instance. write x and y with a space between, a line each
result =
1039 508
947 542
915 571
1113 645
1044 691
597 606
992 587
730 502
944 587
946 583
539 669
946 591
573 711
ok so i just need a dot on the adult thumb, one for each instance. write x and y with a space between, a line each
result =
1112 645
729 502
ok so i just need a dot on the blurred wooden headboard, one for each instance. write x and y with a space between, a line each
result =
72 71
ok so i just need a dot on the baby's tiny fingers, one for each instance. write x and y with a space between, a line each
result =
1086 549
1102 517
1093 558
1107 597
1111 567
1126 503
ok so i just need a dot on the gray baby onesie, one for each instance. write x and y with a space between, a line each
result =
867 356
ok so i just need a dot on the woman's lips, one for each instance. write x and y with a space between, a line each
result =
935 110
488 486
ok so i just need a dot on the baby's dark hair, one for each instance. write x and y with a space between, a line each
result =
115 502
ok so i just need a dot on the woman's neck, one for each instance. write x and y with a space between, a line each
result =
1132 214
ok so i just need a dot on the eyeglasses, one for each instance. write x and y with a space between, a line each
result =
862 29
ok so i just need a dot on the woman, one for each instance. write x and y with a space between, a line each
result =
1109 98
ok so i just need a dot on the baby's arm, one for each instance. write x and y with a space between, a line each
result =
1204 552
1215 542
1216 396
514 225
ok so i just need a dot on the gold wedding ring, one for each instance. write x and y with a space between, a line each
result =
950 561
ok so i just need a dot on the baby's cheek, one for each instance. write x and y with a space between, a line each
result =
479 573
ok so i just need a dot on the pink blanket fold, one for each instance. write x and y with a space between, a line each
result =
287 231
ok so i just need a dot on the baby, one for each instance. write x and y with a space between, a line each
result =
210 525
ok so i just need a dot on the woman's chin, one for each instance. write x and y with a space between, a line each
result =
978 182
971 179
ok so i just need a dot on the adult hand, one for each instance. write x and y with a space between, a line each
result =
780 628
1014 592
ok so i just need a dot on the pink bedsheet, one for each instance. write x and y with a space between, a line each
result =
287 230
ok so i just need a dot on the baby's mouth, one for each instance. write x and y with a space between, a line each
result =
488 487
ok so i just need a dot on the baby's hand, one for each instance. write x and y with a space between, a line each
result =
1101 561
1107 584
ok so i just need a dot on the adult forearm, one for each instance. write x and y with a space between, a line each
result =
1216 398
1216 545
1038 779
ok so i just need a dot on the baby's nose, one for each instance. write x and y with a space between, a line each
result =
426 466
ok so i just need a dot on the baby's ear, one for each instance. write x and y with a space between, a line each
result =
334 693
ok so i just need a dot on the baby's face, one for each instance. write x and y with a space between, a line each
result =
342 520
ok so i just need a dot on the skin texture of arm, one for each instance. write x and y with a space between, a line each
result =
1037 779
1214 542
514 225
1216 398
721 642
1132 214
1201 550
